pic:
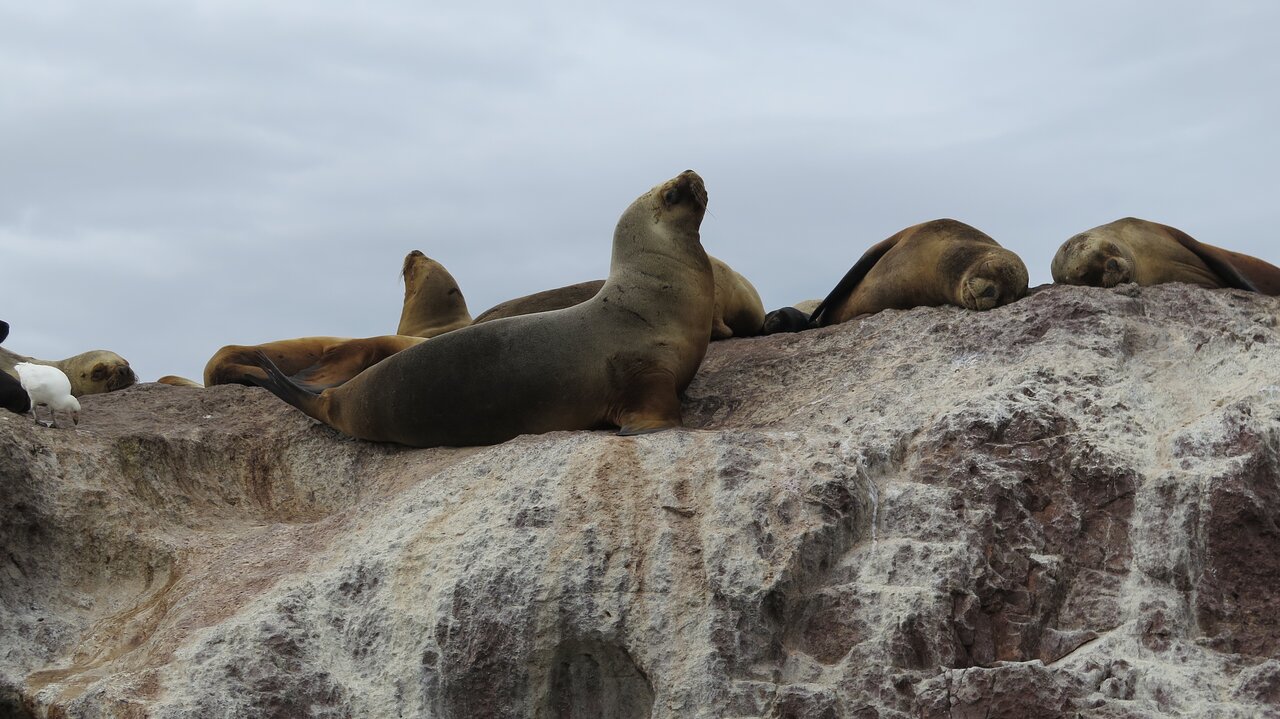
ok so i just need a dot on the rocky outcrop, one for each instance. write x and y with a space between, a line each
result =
1063 507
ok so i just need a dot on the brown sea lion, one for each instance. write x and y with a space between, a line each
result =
739 311
314 361
175 381
942 262
433 305
1149 253
93 372
621 358
545 301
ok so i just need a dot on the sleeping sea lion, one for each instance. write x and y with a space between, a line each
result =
621 358
93 372
1149 253
433 305
942 262
739 311
785 319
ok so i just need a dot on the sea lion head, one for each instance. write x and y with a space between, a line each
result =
432 301
997 278
679 202
4 330
1088 259
98 371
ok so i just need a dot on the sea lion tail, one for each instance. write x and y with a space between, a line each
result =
281 386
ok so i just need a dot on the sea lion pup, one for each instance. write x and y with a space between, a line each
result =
621 358
1149 253
93 372
738 312
942 262
4 330
785 319
433 304
790 319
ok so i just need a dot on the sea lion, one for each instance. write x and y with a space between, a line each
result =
738 312
12 396
433 305
176 381
1149 253
93 372
942 262
545 301
785 319
621 358
807 306
790 319
314 361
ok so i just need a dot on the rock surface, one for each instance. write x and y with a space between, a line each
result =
1063 507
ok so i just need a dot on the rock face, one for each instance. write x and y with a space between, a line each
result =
1063 507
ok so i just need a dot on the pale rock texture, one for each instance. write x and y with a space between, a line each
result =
1063 507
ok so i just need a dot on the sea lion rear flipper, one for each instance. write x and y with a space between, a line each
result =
650 404
1216 258
853 277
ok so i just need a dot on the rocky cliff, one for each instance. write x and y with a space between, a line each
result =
1063 507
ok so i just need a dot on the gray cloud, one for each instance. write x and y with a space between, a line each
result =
178 176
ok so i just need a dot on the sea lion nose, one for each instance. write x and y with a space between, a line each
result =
1113 265
989 292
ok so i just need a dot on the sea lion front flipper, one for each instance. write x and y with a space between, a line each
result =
851 278
1216 258
649 403
720 330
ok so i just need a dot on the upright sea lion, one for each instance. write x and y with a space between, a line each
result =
738 313
1149 253
621 358
93 372
942 262
433 305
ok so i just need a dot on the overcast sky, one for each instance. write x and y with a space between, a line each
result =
179 175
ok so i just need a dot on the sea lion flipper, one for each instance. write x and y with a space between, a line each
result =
1216 258
720 330
851 278
651 404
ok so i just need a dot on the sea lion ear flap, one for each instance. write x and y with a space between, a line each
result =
1217 259
851 278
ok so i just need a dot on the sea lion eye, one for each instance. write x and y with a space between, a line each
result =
672 196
